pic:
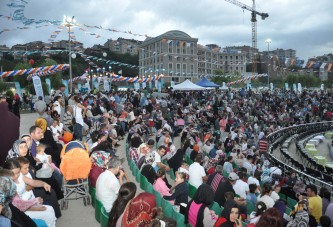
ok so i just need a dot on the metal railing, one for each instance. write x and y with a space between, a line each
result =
277 138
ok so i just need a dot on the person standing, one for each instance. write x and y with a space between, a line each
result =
40 107
79 112
315 202
61 92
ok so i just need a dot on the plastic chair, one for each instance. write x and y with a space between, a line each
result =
143 182
283 196
149 187
172 175
158 198
92 192
138 175
216 208
104 218
288 210
179 218
98 208
191 190
167 208
291 202
250 207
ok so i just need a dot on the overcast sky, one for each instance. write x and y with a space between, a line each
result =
306 26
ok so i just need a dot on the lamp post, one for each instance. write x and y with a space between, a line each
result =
70 22
268 41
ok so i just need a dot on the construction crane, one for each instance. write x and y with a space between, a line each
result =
254 14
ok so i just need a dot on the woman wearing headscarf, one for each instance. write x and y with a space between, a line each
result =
140 211
20 149
281 206
99 161
7 193
52 148
197 212
229 216
125 195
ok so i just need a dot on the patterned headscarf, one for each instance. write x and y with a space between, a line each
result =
100 158
42 123
7 192
15 151
140 211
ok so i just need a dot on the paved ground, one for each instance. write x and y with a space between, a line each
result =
77 214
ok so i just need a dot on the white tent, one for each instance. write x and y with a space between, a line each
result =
187 86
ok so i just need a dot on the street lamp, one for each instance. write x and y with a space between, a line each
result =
268 41
70 22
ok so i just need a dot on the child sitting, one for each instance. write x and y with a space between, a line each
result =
160 185
44 158
181 190
47 160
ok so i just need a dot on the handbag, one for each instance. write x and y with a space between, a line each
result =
44 172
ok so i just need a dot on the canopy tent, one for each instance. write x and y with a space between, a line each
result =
187 86
204 82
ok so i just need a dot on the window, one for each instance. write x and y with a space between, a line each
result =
170 66
178 67
170 58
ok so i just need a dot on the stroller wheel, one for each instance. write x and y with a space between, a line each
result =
88 200
62 205
66 205
84 201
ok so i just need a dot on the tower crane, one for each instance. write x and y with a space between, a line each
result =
254 14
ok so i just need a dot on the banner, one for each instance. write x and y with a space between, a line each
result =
271 86
87 86
159 86
65 82
136 86
286 86
322 87
96 84
294 87
48 83
38 86
18 89
106 84
172 83
144 85
150 85
299 86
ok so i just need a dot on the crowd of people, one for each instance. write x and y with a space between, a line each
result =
214 141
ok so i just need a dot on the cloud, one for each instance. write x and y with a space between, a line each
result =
301 25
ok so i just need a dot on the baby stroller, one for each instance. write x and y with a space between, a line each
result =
75 166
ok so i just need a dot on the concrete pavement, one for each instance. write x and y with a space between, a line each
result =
77 214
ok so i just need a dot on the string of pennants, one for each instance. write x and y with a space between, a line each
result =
36 71
89 59
18 7
253 77
115 77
